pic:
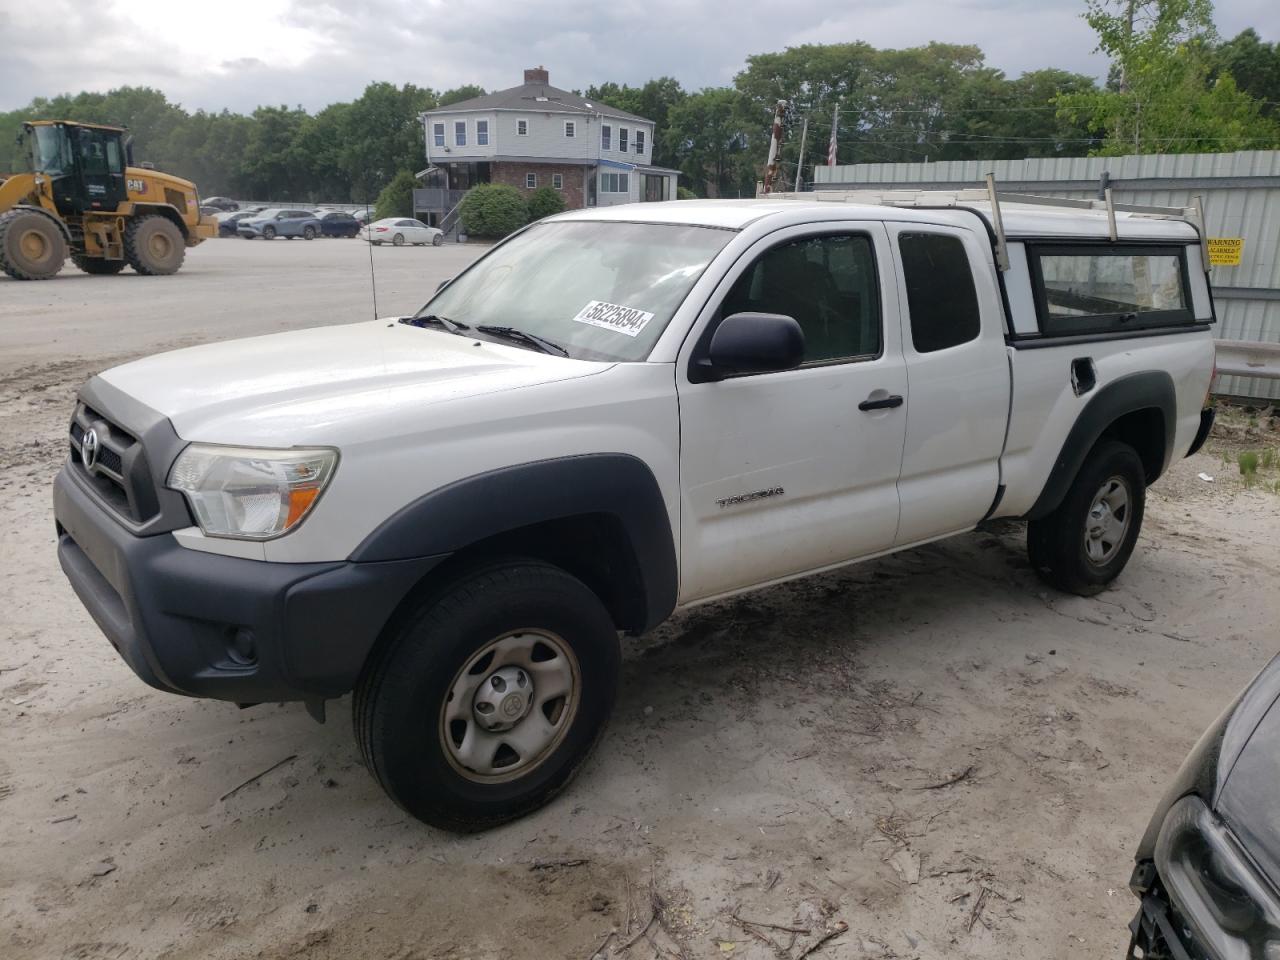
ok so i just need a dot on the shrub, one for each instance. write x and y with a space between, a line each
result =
493 210
544 202
396 198
684 193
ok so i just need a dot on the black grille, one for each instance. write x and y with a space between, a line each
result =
119 473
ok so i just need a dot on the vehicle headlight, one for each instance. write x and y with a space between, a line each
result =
251 493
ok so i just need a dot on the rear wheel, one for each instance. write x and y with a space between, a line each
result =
398 239
153 245
1086 542
31 245
308 233
97 265
486 700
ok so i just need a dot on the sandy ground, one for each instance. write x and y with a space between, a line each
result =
784 757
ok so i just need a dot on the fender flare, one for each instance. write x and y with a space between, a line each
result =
465 512
62 227
1149 390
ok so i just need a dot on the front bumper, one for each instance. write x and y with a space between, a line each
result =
225 628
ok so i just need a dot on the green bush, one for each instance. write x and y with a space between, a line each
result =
396 198
544 202
684 193
493 210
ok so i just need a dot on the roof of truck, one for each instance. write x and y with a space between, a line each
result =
1021 220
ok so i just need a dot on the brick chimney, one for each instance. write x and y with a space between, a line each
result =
538 74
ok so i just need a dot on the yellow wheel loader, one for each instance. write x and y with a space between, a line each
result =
82 198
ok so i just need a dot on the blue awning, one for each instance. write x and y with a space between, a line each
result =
617 163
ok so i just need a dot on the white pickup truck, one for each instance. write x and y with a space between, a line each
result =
613 415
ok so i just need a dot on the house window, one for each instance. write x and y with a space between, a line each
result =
522 128
482 133
570 128
557 181
531 180
437 134
460 133
606 137
639 141
614 182
622 139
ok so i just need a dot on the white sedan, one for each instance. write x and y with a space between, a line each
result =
399 231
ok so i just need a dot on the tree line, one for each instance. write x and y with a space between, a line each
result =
1174 87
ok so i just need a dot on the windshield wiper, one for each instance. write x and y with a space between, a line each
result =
427 319
532 339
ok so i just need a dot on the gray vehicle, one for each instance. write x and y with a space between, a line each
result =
280 222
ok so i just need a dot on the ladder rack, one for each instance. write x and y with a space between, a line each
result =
1193 214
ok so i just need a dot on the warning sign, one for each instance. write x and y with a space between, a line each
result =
1225 251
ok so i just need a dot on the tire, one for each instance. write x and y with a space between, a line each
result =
398 240
437 240
268 233
418 751
1085 543
97 265
32 246
154 246
308 233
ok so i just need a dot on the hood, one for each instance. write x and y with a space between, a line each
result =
328 384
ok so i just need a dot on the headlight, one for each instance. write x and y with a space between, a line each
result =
250 493
1214 886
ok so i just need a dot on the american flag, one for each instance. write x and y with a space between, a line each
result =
831 146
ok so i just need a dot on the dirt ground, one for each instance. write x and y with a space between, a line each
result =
930 755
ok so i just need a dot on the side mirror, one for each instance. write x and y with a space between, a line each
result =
753 343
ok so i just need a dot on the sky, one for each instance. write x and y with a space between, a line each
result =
241 53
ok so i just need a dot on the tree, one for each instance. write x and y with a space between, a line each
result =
465 92
382 134
396 198
1253 65
1164 100
654 101
545 202
493 210
707 130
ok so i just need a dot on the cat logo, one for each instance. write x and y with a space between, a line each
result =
136 185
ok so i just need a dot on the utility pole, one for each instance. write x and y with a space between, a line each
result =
804 132
775 145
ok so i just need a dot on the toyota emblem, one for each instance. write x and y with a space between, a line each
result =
89 449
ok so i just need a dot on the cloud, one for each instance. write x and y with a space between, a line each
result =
242 53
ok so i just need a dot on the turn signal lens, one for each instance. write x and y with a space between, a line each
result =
249 493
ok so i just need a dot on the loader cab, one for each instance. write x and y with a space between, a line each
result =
85 165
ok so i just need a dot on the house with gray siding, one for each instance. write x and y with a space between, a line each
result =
536 135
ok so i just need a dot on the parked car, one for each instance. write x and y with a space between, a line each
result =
400 231
362 215
336 223
228 221
208 210
277 222
1208 866
221 203
645 407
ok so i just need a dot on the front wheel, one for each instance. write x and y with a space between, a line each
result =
486 700
268 233
1085 543
437 240
398 240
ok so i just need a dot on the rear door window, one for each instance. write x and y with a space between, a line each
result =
1087 289
941 296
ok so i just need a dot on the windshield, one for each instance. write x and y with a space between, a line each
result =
52 151
601 290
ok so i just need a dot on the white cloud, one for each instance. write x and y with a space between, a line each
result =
241 53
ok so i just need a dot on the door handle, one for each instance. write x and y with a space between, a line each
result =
883 403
